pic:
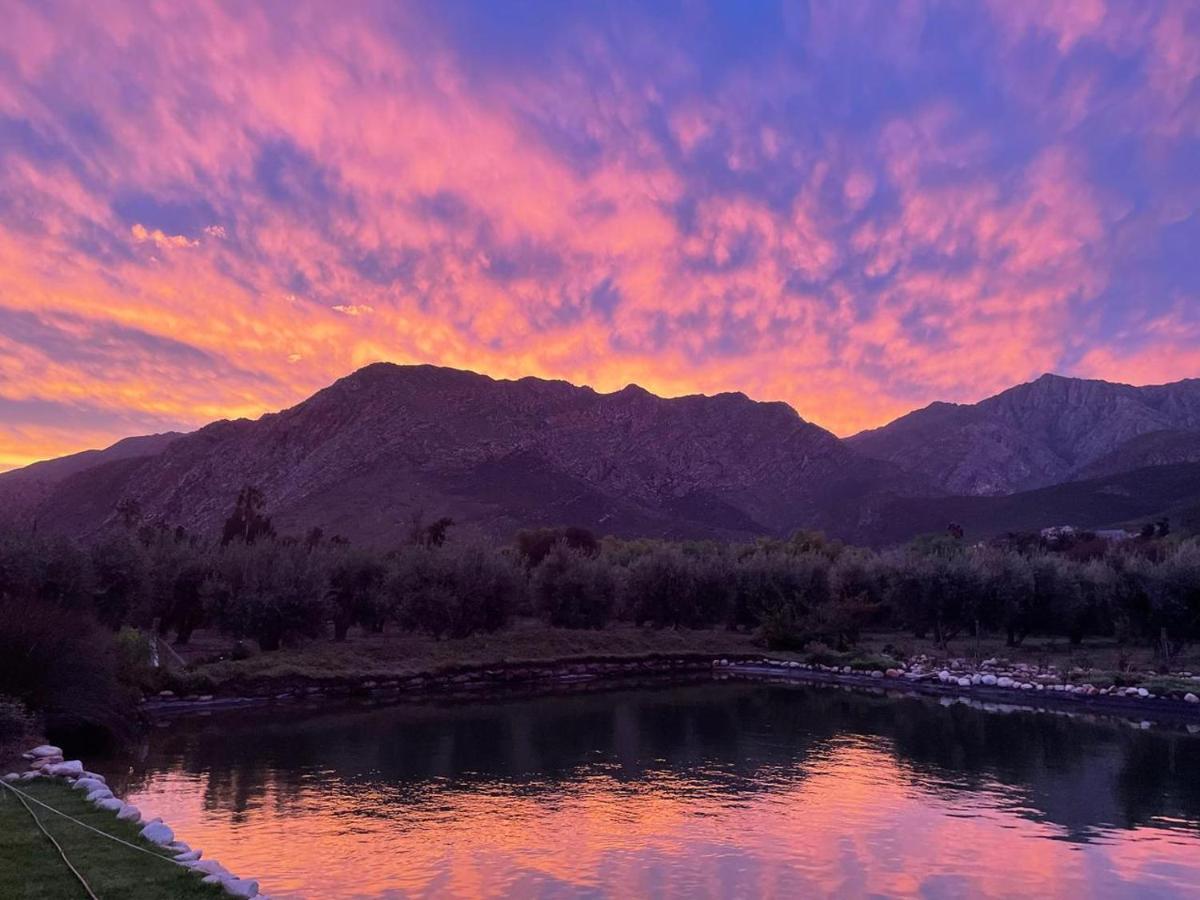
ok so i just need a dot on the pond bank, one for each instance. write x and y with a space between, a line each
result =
980 685
63 834
993 681
449 681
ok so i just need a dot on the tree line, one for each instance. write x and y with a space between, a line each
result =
253 583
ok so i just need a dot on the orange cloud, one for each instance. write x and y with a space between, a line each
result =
351 187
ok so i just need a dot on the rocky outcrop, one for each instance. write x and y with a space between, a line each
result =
1049 431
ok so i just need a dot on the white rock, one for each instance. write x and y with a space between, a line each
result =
210 867
964 682
110 804
1142 692
1004 681
240 887
70 769
44 750
101 793
189 856
988 679
877 673
976 678
157 833
12 776
1191 698
129 813
943 676
87 784
29 776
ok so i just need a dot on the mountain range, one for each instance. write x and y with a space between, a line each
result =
387 444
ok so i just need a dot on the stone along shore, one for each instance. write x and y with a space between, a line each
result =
46 762
1017 683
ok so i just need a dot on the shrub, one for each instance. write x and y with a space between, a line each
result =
133 653
535 544
573 590
660 588
272 591
121 581
356 592
454 592
782 629
17 725
59 663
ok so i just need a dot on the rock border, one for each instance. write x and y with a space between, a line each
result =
450 681
46 762
1019 685
993 678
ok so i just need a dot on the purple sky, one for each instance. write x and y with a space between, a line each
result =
211 210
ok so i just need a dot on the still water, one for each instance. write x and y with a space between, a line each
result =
711 790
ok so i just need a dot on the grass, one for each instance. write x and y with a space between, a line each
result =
1097 654
397 654
31 869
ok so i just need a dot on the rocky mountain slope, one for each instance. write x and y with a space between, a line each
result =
1123 499
363 456
1046 432
25 489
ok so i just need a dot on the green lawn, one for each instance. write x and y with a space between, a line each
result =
31 869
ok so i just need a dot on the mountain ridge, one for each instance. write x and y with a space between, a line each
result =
368 452
1047 431
364 454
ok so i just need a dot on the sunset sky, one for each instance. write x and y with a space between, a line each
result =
212 210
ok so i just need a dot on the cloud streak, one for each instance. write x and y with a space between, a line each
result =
213 209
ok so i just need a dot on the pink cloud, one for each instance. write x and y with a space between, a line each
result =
366 196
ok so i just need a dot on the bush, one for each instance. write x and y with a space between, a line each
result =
573 590
242 650
660 588
535 544
134 655
121 579
273 591
782 629
60 663
454 592
356 592
18 726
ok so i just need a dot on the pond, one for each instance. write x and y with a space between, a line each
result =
731 789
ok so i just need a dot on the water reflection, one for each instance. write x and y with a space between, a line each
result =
709 790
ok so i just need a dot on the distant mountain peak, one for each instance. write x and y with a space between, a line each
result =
1033 435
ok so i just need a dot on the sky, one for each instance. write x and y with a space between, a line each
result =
211 210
